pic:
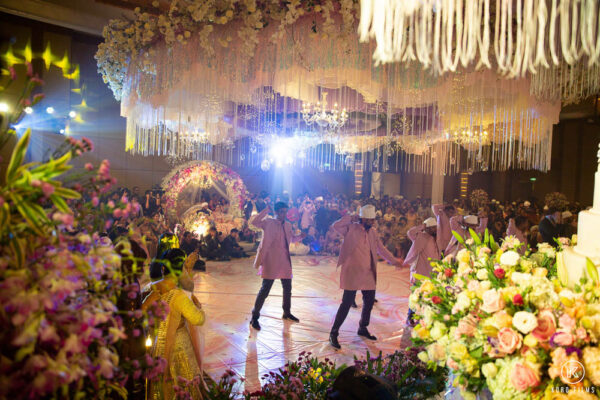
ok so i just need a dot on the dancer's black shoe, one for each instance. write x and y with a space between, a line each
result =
290 317
254 323
365 333
333 340
354 305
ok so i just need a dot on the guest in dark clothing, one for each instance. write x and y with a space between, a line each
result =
211 248
231 246
550 226
322 220
188 244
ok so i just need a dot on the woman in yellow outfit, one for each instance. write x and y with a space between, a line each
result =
175 339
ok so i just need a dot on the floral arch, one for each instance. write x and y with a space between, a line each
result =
206 173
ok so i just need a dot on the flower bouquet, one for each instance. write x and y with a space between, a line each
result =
503 321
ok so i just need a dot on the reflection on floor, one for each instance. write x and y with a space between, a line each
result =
228 289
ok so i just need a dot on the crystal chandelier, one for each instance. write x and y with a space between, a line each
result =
328 120
467 137
194 137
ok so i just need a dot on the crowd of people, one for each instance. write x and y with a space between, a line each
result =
530 221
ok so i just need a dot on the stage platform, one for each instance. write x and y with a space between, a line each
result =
228 290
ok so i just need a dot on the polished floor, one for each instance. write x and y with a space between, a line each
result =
228 289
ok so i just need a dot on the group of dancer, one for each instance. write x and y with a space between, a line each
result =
358 257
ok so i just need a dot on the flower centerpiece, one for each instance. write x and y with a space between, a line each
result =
505 322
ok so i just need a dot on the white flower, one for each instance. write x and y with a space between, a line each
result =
485 285
413 300
510 258
482 274
524 321
438 330
546 249
489 370
520 278
423 357
463 301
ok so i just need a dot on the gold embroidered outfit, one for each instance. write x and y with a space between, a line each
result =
173 342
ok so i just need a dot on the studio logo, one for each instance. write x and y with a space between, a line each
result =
572 372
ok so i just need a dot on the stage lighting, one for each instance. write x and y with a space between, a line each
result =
62 131
72 114
289 160
50 110
28 110
3 107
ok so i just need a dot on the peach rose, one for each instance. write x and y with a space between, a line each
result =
502 320
522 377
509 340
562 338
466 326
473 286
492 301
546 326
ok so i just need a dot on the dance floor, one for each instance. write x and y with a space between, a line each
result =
228 289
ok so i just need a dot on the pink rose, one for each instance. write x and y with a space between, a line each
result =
562 338
108 224
492 301
89 166
508 340
111 204
466 326
95 201
522 377
567 322
546 326
117 213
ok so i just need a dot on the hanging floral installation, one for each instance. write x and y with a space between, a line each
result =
299 72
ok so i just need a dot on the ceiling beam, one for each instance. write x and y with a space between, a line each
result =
82 15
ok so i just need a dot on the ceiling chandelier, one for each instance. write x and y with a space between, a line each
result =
328 120
466 137
194 137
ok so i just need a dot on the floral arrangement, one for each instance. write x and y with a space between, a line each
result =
505 322
411 375
205 171
59 283
128 41
479 198
308 375
556 200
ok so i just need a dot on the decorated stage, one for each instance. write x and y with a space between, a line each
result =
227 292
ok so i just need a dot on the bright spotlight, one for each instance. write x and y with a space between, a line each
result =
62 131
28 110
72 114
3 107
50 110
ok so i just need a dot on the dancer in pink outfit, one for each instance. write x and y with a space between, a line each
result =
273 259
358 259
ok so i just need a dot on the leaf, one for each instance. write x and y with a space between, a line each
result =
493 245
561 270
60 203
420 277
30 216
486 239
25 351
477 353
18 154
592 270
475 237
66 193
458 238
18 250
